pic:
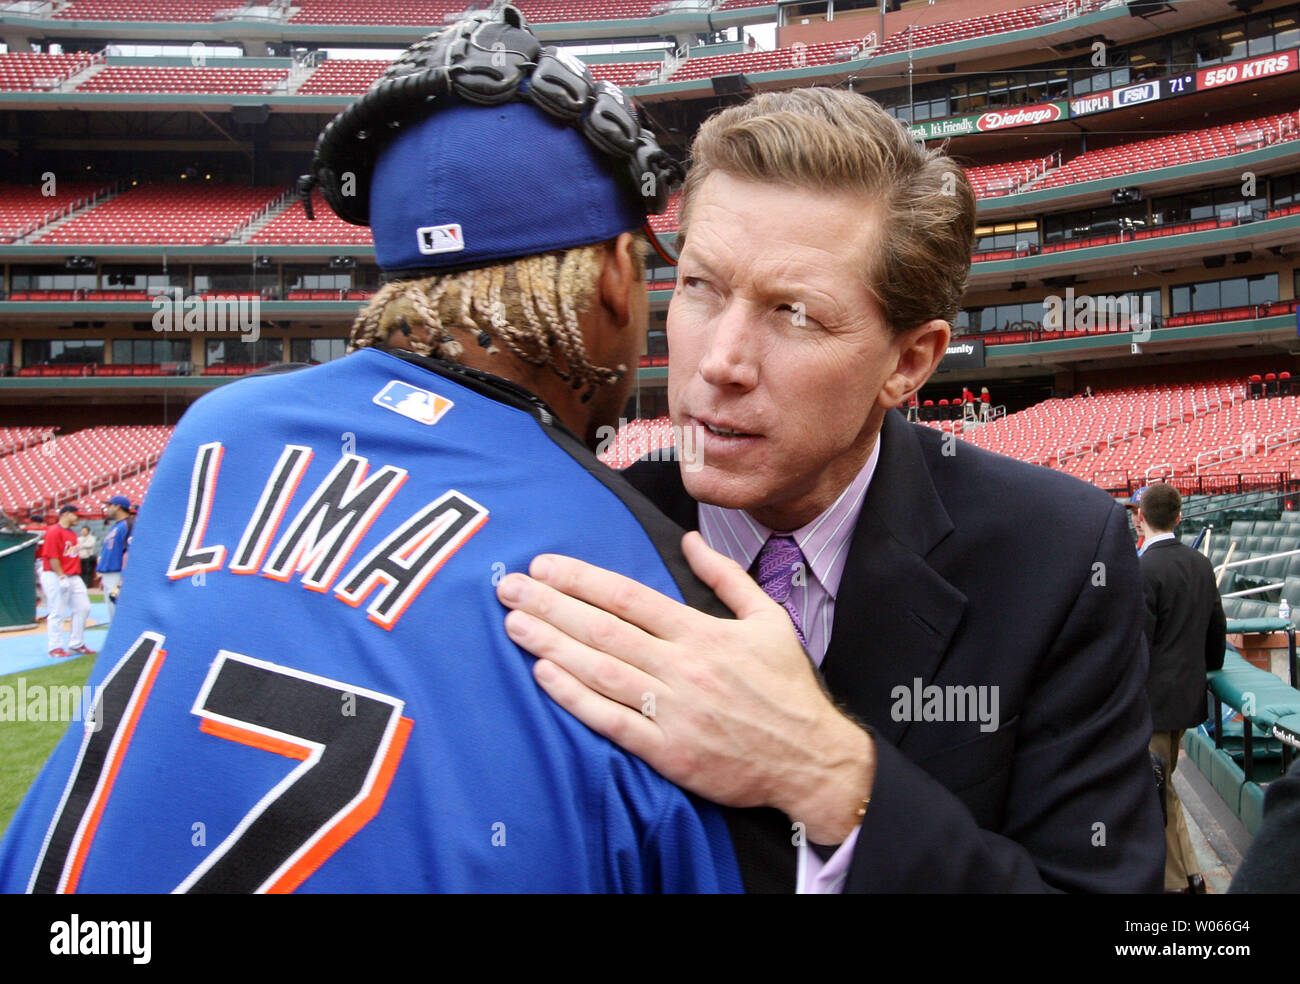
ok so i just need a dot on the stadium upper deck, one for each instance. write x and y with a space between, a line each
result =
1045 123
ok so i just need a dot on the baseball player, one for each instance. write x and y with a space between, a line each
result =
65 592
112 556
309 685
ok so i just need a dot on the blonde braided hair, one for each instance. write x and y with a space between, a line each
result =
531 306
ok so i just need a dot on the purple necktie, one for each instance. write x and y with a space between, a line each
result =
774 570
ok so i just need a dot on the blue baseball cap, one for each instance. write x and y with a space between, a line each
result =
474 185
121 501
1136 501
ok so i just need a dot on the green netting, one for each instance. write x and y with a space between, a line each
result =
17 580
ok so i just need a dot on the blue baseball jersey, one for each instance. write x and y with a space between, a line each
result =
309 686
114 548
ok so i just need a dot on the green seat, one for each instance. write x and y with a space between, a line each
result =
1248 609
1290 723
1239 683
1227 778
1199 747
1252 806
1291 589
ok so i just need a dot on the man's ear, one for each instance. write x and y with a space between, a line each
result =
919 353
618 278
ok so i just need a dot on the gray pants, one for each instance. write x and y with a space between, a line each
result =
111 579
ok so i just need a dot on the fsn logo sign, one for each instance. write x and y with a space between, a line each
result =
175 312
1098 313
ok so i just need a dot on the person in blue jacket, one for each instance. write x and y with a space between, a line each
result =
112 555
309 686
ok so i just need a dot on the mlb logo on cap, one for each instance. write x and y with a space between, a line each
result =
441 239
420 405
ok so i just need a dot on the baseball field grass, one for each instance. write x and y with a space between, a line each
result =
25 745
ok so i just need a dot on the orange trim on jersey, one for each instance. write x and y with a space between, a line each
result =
338 834
127 730
255 739
464 538
340 562
380 577
273 523
205 513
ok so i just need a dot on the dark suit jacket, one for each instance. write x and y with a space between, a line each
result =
1185 632
970 569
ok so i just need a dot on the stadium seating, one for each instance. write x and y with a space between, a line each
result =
345 76
636 439
426 14
753 62
143 10
76 464
28 70
625 74
1038 333
1168 151
543 11
949 32
25 208
199 214
353 76
233 368
667 222
292 226
1146 433
993 180
918 36
173 78
18 438
1076 434
134 488
1231 314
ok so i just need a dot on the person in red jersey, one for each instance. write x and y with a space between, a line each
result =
63 587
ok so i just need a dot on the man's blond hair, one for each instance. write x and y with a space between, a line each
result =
531 306
833 140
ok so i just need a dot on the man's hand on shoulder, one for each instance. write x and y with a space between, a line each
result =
729 709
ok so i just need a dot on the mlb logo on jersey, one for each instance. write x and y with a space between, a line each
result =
420 405
440 238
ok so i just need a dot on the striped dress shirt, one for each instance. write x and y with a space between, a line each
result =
825 546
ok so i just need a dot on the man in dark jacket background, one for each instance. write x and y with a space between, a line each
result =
1185 629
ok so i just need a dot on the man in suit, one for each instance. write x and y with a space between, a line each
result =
925 690
1185 630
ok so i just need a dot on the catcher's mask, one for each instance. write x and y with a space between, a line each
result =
449 161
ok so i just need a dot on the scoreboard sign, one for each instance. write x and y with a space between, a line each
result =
1128 95
963 353
994 119
1250 70
1004 119
1132 95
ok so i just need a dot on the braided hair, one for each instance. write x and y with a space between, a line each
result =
531 306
